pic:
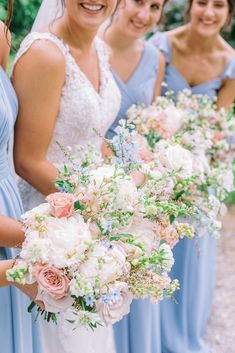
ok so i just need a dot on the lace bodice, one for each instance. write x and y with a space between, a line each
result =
82 110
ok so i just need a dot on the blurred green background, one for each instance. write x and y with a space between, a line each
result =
25 12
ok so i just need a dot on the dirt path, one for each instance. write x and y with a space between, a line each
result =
221 330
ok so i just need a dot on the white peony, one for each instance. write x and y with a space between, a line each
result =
41 210
200 163
226 180
99 175
69 238
106 264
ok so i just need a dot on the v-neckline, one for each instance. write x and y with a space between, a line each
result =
182 76
98 93
136 69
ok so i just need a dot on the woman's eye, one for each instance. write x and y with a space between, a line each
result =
156 6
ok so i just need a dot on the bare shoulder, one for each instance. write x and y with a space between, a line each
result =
42 56
4 45
226 50
176 33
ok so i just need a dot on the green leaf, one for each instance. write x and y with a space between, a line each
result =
79 206
121 236
172 218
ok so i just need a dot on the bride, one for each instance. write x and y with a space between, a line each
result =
66 90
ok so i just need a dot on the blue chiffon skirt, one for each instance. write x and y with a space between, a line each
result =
139 332
183 325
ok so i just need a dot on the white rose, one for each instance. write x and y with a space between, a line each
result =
104 263
132 251
175 157
114 309
173 120
144 231
127 195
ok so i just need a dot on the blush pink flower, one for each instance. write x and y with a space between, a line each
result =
115 310
62 204
138 177
218 136
143 151
52 280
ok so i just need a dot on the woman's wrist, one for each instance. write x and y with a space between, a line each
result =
4 266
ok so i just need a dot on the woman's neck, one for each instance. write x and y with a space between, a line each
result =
115 38
199 44
74 35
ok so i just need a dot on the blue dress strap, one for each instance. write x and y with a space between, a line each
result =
229 71
161 41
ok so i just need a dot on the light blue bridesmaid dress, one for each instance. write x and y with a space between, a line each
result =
183 325
16 333
138 332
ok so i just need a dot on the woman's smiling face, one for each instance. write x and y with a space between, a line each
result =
208 17
89 14
138 17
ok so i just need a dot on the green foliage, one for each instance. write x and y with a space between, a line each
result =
24 14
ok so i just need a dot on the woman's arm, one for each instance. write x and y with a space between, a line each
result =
160 76
4 266
11 233
38 79
226 95
4 45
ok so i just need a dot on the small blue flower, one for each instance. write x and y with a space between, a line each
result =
89 299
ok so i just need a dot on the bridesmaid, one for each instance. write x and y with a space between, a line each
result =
198 59
138 69
16 335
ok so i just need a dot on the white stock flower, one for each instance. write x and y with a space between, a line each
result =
127 195
168 256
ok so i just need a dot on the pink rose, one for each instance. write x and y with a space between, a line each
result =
115 309
62 204
218 136
138 177
52 280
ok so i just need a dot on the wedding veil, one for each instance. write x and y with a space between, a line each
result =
49 11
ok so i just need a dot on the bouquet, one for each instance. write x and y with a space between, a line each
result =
189 132
105 237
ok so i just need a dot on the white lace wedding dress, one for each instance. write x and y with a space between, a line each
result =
81 111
